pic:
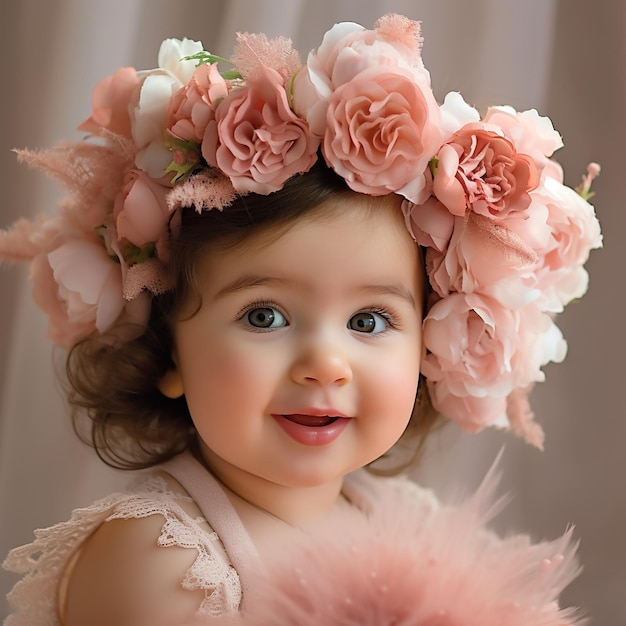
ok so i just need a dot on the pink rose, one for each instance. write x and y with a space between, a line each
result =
256 139
381 133
346 50
574 231
193 106
367 93
141 213
110 102
478 170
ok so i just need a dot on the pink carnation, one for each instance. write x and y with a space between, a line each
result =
193 105
531 133
256 139
110 101
478 170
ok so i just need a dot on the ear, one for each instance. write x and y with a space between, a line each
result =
171 385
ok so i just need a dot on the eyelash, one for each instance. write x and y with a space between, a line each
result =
390 317
259 304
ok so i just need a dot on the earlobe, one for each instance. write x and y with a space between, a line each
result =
171 385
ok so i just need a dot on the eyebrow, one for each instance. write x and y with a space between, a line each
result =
248 281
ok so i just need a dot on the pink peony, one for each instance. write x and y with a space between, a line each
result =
481 256
77 284
471 413
141 213
574 231
110 101
497 351
193 106
382 132
430 223
479 170
480 360
256 139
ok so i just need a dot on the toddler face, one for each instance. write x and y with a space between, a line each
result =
302 363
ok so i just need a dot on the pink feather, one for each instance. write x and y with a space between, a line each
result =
254 51
403 567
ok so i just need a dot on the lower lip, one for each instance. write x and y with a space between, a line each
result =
312 435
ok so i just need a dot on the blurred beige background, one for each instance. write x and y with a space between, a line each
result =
566 58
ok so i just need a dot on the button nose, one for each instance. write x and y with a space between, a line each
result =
322 365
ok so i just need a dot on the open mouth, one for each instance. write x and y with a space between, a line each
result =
312 430
312 421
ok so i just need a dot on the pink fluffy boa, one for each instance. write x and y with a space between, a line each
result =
410 567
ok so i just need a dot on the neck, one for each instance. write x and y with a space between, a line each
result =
294 505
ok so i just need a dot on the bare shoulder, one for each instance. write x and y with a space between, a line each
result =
123 577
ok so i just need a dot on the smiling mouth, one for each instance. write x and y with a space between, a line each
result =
312 421
312 430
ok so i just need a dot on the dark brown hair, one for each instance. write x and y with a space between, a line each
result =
132 424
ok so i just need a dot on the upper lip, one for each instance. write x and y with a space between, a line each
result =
315 412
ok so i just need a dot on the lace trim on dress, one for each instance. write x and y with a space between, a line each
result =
35 598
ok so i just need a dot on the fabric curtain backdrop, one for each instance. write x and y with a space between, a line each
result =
566 58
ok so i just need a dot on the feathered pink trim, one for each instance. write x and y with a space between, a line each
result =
401 29
204 191
150 275
18 243
405 568
93 173
254 51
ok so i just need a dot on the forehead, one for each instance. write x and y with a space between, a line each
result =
348 237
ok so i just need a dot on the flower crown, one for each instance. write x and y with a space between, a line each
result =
505 240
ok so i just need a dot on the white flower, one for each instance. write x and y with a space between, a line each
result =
149 113
171 57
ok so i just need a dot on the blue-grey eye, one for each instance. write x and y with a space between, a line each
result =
368 322
266 317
